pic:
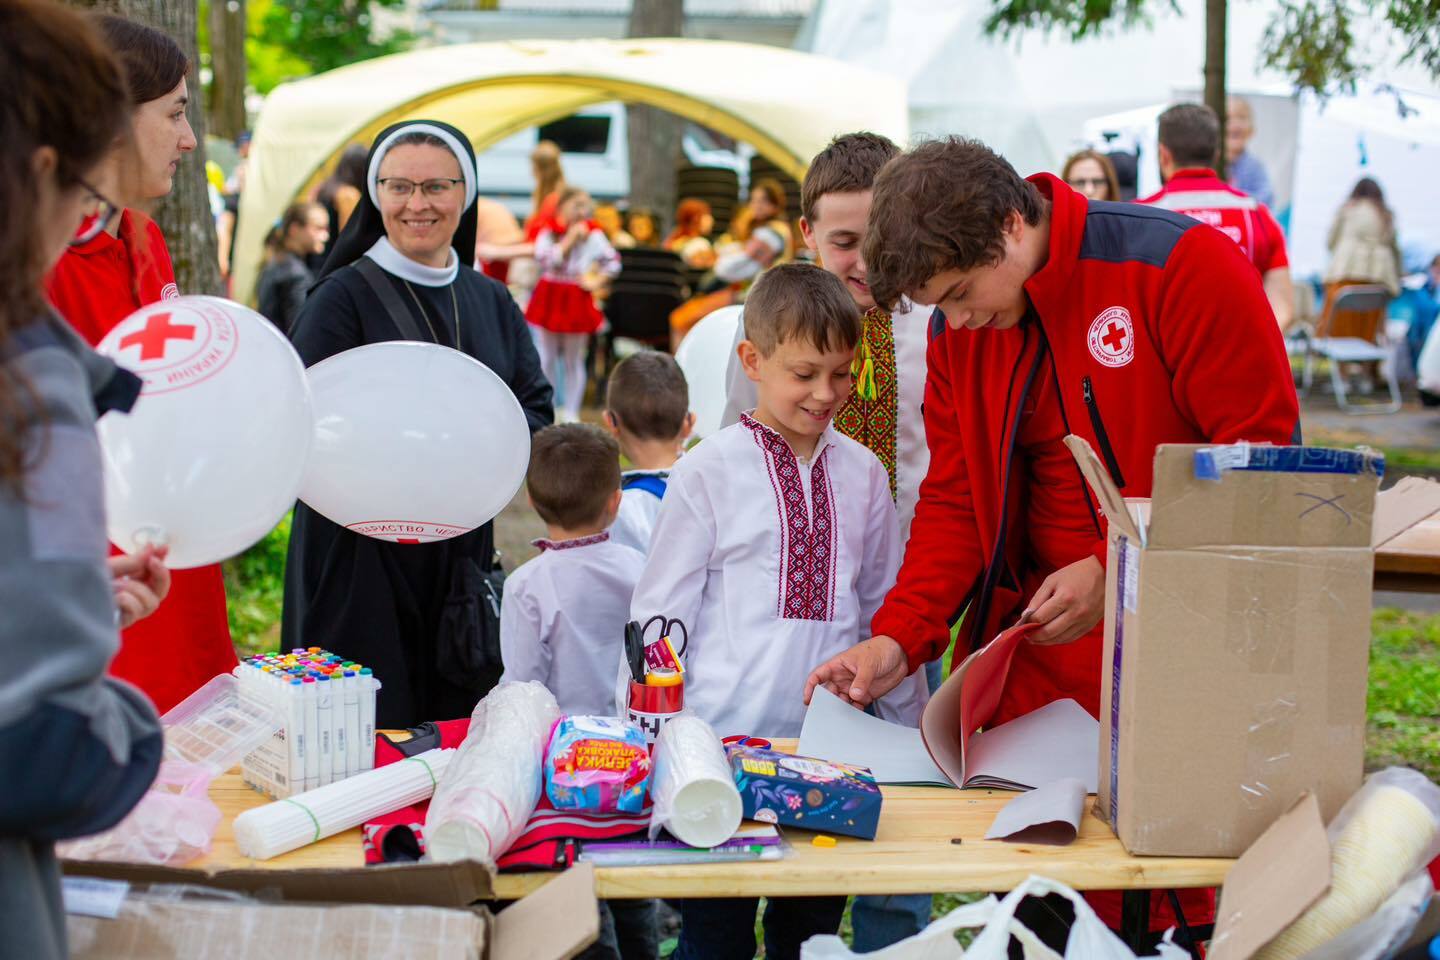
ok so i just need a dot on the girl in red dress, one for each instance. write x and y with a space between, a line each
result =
575 257
99 283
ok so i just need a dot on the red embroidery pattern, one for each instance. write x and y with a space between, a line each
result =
807 536
544 544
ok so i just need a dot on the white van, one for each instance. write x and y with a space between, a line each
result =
595 155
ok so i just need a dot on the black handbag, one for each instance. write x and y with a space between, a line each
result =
468 648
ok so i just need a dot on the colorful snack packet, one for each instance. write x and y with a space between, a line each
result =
599 764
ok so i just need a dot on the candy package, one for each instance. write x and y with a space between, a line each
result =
600 764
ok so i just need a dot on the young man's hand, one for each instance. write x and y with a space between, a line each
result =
1069 603
141 582
862 674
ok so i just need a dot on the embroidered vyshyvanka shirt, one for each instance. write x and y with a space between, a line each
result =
774 564
892 425
563 620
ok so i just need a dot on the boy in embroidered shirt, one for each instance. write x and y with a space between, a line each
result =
775 544
647 410
563 619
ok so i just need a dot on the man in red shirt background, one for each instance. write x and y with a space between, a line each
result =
1189 148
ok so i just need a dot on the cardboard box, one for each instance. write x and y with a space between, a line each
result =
1237 635
804 792
555 923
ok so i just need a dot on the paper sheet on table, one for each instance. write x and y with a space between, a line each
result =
1056 741
1049 814
834 730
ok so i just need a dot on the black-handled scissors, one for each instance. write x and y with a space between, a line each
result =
635 651
667 628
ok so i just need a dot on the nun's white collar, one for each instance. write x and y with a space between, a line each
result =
394 262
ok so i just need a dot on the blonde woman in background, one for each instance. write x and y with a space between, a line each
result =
1092 173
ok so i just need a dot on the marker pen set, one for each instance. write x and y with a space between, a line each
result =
328 706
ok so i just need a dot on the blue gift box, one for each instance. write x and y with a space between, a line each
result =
806 792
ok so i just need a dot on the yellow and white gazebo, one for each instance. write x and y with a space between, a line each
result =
787 104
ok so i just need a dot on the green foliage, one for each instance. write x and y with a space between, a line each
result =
255 591
1310 41
326 34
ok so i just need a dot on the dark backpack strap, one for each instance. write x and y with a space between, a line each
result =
370 271
648 482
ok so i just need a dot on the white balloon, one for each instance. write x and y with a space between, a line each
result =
704 356
212 454
414 442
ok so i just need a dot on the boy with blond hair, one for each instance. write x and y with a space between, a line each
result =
776 542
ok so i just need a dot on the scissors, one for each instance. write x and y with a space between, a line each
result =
635 651
741 740
667 627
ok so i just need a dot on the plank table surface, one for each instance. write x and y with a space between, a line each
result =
1412 559
912 853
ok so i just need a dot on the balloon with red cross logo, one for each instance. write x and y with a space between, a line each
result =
212 454
414 442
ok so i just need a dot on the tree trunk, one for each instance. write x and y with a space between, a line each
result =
654 135
183 216
1215 11
227 68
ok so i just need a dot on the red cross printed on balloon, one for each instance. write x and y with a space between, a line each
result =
1114 338
156 336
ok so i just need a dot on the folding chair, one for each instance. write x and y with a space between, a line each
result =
1338 351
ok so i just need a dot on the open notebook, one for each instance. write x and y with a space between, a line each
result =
952 746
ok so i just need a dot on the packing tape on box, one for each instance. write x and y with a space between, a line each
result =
289 824
492 787
694 794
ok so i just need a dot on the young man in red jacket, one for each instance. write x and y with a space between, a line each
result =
1127 325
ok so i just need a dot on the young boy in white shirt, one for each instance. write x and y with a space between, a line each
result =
776 542
563 618
647 411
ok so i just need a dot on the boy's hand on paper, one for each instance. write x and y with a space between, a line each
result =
862 674
1069 603
141 582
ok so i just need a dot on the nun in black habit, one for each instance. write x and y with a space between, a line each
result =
418 615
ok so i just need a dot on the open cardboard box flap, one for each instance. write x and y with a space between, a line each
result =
456 884
1278 878
1402 506
555 922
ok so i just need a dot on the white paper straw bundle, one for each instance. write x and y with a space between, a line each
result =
490 790
692 788
289 824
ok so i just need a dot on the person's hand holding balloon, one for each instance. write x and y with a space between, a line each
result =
141 582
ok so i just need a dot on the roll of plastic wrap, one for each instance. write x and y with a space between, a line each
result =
289 824
691 786
490 790
1386 833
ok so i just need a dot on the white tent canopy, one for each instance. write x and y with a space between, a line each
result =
1030 97
764 95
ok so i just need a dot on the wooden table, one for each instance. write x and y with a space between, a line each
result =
1411 561
912 853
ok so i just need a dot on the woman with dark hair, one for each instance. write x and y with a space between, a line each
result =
339 195
77 750
1092 173
414 613
1362 241
303 231
100 282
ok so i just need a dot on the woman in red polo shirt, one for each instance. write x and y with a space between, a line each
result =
101 282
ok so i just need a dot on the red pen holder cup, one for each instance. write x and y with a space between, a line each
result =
651 707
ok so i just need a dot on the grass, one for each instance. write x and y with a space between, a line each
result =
255 591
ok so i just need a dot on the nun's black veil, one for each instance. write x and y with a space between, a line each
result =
365 226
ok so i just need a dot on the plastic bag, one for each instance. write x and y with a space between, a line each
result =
1089 938
173 823
1386 931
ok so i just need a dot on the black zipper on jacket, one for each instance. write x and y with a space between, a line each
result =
1065 420
1098 424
